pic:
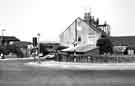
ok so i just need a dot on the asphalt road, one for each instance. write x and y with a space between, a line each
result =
18 74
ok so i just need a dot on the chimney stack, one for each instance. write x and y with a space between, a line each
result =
97 21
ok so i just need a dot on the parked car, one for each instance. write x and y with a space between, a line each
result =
50 56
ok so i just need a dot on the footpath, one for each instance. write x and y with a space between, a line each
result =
27 59
83 66
71 65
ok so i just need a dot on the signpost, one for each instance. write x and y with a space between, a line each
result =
34 51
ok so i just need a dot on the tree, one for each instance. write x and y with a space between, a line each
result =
105 45
14 49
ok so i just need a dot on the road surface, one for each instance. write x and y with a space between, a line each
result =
18 74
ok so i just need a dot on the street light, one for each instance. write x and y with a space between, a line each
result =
2 32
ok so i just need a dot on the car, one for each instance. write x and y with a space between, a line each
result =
50 56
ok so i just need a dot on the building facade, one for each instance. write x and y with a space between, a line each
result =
84 32
6 40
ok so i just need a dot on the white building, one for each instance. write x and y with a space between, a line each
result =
84 32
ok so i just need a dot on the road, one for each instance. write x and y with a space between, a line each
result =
18 74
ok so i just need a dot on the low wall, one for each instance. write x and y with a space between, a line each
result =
95 58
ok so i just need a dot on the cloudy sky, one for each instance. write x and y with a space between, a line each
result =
26 18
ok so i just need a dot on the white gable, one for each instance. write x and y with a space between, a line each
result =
81 25
86 35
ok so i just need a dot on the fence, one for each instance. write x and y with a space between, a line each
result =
95 58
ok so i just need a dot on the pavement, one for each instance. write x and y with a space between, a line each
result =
22 59
20 74
83 66
72 65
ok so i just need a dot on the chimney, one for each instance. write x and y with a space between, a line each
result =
89 18
105 23
106 28
97 22
85 16
92 19
89 15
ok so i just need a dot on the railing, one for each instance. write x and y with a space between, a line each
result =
95 58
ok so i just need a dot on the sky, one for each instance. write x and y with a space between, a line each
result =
26 18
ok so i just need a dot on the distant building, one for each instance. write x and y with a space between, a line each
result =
4 40
123 44
84 32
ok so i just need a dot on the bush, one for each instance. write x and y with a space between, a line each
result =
105 45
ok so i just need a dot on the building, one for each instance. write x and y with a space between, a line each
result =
5 40
82 34
123 44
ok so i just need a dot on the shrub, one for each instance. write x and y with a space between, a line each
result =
105 45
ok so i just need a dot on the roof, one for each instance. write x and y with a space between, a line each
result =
9 38
97 29
123 40
84 48
22 43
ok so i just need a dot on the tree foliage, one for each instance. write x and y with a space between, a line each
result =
105 45
11 49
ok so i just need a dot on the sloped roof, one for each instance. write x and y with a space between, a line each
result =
22 43
84 48
9 38
123 40
97 29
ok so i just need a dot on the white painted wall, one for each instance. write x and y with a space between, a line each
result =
87 34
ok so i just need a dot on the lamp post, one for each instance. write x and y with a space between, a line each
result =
2 34
38 36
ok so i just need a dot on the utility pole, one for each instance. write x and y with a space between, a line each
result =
76 39
38 36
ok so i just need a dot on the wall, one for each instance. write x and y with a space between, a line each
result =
85 35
